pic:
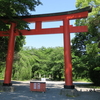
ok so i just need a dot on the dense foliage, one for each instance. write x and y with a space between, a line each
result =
86 46
37 63
16 8
33 63
8 10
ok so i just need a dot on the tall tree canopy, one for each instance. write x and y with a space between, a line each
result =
10 9
16 8
87 44
37 63
93 22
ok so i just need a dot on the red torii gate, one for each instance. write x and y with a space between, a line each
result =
66 29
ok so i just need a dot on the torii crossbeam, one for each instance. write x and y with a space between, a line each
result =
65 29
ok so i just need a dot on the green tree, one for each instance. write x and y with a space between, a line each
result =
80 68
37 63
16 8
40 67
93 22
9 9
86 44
57 63
23 64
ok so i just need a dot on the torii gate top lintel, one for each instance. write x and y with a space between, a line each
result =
38 19
88 9
74 14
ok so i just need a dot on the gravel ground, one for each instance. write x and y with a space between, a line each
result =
22 92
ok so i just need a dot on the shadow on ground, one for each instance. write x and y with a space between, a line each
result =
22 92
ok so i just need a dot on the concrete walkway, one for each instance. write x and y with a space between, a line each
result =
22 92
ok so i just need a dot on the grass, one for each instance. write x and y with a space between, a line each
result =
1 83
88 86
82 80
70 95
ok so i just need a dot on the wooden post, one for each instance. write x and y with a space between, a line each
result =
67 56
9 58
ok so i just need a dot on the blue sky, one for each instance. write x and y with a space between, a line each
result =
50 6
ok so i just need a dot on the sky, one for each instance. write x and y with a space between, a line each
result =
50 40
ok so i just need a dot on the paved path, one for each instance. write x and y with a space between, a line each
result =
23 92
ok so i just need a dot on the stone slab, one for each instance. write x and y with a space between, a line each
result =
7 89
69 92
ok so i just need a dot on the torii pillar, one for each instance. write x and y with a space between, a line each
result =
67 56
9 58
